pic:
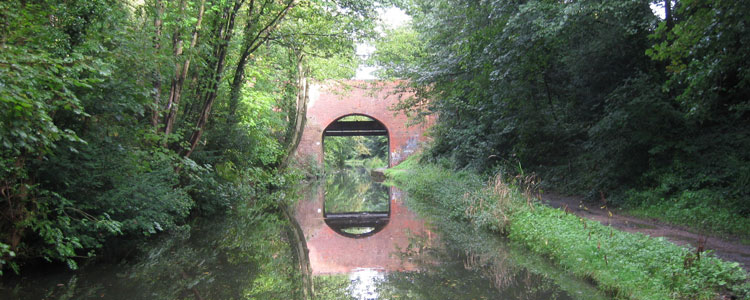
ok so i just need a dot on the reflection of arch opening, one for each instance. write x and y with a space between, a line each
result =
357 225
362 211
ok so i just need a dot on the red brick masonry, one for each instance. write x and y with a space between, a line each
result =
334 100
332 253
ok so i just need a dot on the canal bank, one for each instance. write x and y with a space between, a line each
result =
624 265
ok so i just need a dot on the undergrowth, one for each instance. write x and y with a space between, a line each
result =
625 265
694 209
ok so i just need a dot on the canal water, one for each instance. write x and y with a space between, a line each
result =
410 258
363 241
241 255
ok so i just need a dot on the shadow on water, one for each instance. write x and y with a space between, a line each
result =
409 259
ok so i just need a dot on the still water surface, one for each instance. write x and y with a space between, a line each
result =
413 259
208 261
406 259
353 190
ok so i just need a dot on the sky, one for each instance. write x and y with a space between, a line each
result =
658 10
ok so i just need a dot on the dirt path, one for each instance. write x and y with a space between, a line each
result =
723 248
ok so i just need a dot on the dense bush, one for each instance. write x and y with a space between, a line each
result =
598 97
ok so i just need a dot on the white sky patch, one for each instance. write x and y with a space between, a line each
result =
394 17
364 50
391 17
363 283
365 72
658 9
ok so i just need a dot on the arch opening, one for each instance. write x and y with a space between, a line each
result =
355 151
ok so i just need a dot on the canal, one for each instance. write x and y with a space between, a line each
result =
363 240
410 258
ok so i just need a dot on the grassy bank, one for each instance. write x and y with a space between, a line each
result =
627 266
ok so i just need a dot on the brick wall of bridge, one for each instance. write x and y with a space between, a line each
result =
329 102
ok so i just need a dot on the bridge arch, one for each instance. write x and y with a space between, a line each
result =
331 101
339 127
356 114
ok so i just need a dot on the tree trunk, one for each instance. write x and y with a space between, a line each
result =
297 123
239 77
251 43
157 75
668 14
175 91
303 254
223 35
249 46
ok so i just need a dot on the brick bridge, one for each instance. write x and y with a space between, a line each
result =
374 99
330 251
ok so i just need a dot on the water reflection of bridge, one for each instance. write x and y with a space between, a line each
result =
331 252
356 205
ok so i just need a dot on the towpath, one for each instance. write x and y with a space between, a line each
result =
725 248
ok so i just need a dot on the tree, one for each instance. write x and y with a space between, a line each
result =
123 120
600 97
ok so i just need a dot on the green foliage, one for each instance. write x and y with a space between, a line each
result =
526 83
332 287
309 167
374 163
107 190
635 133
338 150
6 252
629 266
397 53
269 248
475 264
243 254
599 97
84 158
56 61
707 64
632 266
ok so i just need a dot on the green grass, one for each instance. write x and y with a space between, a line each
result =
626 266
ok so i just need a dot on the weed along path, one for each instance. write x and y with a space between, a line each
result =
732 250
